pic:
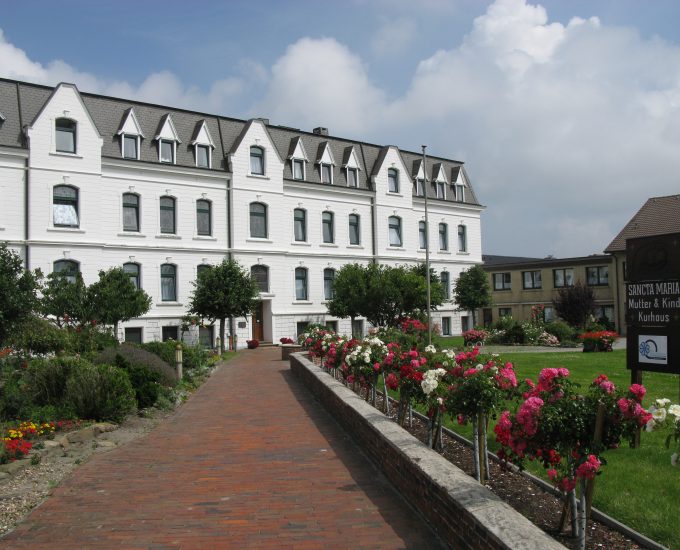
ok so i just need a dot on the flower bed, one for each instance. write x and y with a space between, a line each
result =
601 340
18 440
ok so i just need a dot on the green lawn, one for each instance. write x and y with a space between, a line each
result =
638 487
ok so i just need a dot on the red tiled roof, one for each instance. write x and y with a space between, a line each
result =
658 216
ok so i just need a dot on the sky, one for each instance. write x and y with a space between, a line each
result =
566 113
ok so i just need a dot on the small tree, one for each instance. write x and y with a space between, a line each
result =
115 298
575 304
65 300
349 292
472 291
18 288
224 291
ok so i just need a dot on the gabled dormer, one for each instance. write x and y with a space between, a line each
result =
418 176
203 145
439 180
326 162
458 183
167 138
350 164
130 132
298 158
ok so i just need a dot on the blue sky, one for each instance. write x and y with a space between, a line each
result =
567 114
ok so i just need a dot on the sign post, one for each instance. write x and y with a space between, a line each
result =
653 305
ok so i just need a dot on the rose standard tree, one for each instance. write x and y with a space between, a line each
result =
224 291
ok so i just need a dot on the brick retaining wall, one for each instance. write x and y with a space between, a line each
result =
464 514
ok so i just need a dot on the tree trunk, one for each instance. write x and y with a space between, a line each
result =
115 329
221 336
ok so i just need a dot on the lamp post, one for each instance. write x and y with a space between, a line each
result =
427 251
178 362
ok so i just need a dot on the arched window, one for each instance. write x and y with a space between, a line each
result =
134 271
422 234
65 135
394 224
202 268
130 212
300 224
203 217
68 269
328 279
65 206
328 228
301 283
261 275
443 236
462 239
354 229
168 283
257 160
258 220
168 215
446 284
393 180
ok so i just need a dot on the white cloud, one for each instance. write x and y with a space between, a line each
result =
393 36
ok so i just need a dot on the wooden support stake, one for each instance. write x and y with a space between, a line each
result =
597 440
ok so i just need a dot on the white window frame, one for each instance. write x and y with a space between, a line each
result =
138 143
301 162
174 150
264 161
355 171
396 180
330 171
208 148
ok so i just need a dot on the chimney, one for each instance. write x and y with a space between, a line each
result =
320 131
265 121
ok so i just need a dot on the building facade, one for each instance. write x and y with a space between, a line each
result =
91 182
518 284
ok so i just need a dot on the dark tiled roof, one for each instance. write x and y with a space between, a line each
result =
492 262
658 216
20 103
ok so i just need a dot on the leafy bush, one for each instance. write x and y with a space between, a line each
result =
100 392
515 335
505 323
91 337
39 336
193 356
532 332
13 395
46 380
141 357
562 330
144 381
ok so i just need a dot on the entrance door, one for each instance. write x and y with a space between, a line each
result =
258 326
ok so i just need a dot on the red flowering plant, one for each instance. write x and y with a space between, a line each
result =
364 360
312 340
285 341
475 337
601 340
412 334
404 371
16 442
555 426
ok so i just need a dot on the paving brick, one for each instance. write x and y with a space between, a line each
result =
250 461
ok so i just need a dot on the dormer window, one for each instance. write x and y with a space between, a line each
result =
440 189
257 160
460 193
326 161
203 145
352 177
203 156
65 134
393 180
298 169
326 173
166 151
130 134
420 187
130 146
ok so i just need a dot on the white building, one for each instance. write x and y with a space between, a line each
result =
89 182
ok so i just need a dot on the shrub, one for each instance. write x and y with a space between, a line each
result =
532 332
285 341
193 356
475 336
39 336
144 381
100 392
91 337
47 379
137 356
561 330
515 335
13 395
505 323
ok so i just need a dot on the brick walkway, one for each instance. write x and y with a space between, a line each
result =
251 461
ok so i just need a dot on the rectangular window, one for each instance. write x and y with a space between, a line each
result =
332 325
563 277
133 335
328 230
167 215
258 220
203 225
326 173
358 328
505 312
167 151
170 333
597 276
443 236
446 284
501 281
420 188
462 238
352 179
206 336
422 235
394 231
392 180
130 212
328 279
130 147
548 314
65 206
441 194
168 283
606 312
300 283
460 193
301 326
298 169
257 161
532 279
446 326
354 230
300 225
65 130
203 156
132 271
